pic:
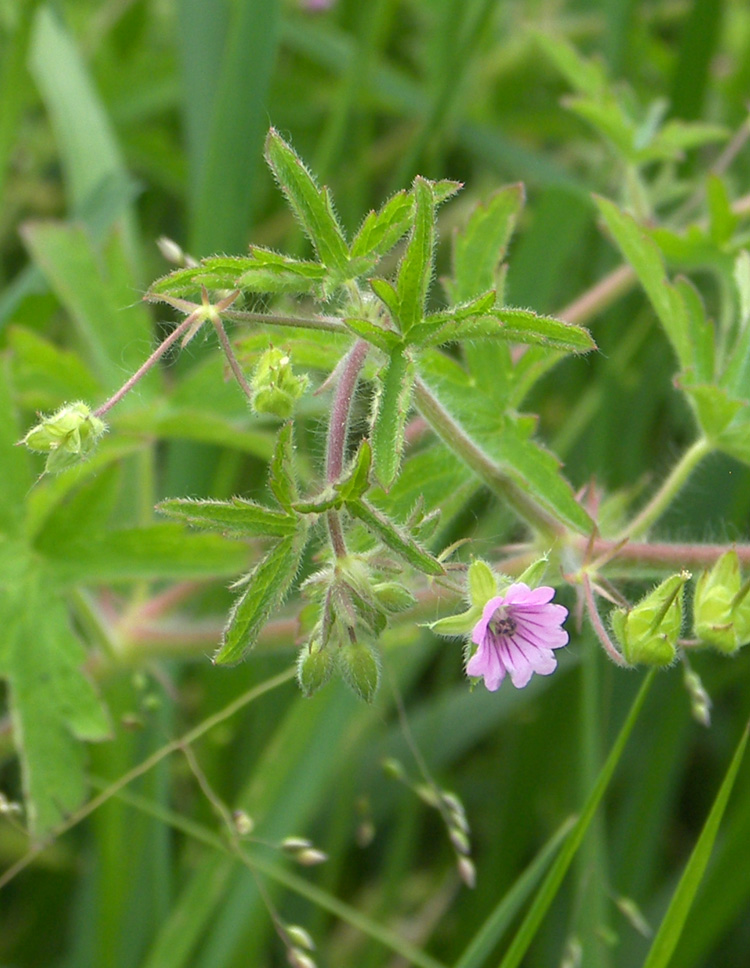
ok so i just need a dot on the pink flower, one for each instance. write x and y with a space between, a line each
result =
517 633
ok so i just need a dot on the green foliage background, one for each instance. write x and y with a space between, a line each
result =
125 120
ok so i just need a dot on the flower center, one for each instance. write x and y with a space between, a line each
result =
502 623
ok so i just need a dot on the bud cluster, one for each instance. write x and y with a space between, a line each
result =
275 387
355 595
67 436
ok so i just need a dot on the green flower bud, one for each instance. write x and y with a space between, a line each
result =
359 668
275 386
314 667
394 597
648 633
721 606
68 436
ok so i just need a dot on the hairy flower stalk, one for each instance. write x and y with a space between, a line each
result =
517 634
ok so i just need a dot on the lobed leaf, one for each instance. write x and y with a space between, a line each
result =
415 270
311 205
395 538
238 517
480 247
381 230
646 259
267 586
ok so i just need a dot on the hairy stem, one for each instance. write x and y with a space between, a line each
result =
601 633
143 369
338 431
461 444
668 491
231 358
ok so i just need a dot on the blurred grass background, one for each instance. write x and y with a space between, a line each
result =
142 118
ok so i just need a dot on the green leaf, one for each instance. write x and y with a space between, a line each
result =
281 479
435 324
480 247
271 272
15 477
551 885
381 230
52 704
310 204
389 417
92 160
587 76
225 111
722 220
261 271
674 921
237 517
267 586
701 329
518 326
46 376
95 288
160 551
537 472
354 484
645 258
415 270
387 294
385 339
395 538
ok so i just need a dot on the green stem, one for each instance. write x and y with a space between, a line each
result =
668 491
483 466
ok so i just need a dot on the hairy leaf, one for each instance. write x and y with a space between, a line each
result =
237 517
310 204
266 587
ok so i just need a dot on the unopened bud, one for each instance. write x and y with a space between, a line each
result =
67 436
171 251
299 959
633 913
700 701
393 596
393 768
243 823
275 386
359 669
311 857
648 633
459 840
299 936
721 605
292 845
467 871
314 667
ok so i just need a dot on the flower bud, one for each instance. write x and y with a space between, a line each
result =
275 386
298 959
648 632
359 668
721 606
393 596
68 436
314 667
299 936
243 823
467 871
